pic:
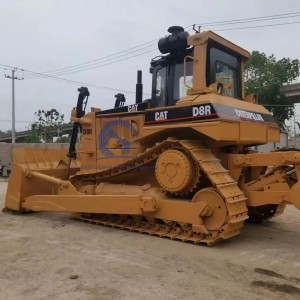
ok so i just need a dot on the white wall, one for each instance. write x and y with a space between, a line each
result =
271 146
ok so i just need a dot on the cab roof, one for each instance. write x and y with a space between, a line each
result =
206 36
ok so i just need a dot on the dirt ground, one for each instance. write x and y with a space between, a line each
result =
51 256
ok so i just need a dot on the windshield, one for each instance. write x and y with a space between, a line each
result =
168 80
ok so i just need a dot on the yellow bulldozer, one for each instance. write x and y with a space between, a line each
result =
181 164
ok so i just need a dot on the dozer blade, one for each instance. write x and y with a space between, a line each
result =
280 185
294 195
51 162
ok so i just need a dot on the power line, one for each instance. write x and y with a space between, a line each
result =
99 65
150 43
100 61
17 121
111 55
70 81
42 75
253 19
102 64
257 26
86 66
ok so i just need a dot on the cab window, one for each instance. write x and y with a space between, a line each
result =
227 76
161 85
224 68
179 88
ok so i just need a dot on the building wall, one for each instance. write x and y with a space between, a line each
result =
271 146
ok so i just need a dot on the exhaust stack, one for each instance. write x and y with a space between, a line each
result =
139 88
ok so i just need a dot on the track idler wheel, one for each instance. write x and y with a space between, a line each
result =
214 216
175 171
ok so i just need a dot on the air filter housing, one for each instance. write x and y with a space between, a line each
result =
174 43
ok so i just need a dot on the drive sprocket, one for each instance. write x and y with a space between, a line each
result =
176 172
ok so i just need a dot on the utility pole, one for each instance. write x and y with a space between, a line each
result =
294 123
13 77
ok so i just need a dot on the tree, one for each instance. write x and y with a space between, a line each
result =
47 124
266 76
34 136
63 139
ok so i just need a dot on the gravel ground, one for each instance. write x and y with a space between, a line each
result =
51 256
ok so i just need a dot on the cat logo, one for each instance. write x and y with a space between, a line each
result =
133 107
161 115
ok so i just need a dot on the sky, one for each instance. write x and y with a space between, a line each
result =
48 35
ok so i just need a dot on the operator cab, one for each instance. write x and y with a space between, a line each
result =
173 73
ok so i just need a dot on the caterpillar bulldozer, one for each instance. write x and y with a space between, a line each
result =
181 164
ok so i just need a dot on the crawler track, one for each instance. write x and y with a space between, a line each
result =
209 165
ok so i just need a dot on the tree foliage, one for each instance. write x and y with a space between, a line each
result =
34 136
46 126
265 76
63 139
